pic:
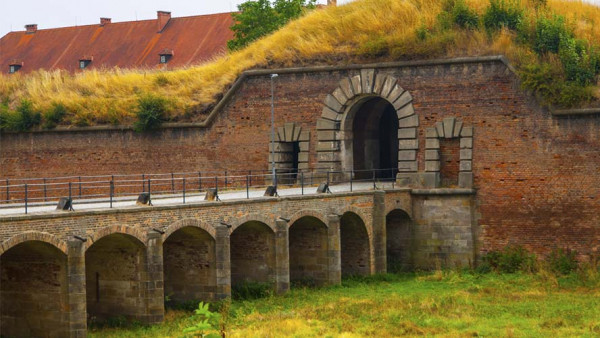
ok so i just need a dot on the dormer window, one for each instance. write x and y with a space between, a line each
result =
84 62
14 66
165 55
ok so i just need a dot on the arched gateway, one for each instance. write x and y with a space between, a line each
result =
368 126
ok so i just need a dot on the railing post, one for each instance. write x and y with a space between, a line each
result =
374 186
199 182
225 179
184 190
111 191
351 178
327 178
143 183
79 186
149 188
70 186
172 183
7 192
248 186
45 190
217 185
302 181
250 175
25 198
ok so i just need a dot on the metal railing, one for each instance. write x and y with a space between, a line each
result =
26 193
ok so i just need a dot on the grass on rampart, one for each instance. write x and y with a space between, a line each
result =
361 31
451 304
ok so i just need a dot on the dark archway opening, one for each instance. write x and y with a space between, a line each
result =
189 265
287 167
308 252
33 291
354 241
375 143
252 254
115 271
399 234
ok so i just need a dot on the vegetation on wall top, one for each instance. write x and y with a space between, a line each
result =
551 44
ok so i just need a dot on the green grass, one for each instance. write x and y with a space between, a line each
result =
441 304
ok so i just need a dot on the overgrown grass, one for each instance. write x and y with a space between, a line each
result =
361 31
445 303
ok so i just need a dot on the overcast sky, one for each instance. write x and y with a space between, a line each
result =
15 14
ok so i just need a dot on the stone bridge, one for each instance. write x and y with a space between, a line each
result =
61 271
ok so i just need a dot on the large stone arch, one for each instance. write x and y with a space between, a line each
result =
34 236
189 222
237 222
309 251
307 213
333 142
356 246
137 233
252 252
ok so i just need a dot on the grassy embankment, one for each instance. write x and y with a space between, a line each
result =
441 304
362 31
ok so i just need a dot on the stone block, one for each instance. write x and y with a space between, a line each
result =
328 146
368 78
330 114
465 179
432 154
303 166
466 165
407 166
356 84
432 143
388 85
405 111
407 179
296 135
304 136
332 103
466 142
328 157
432 165
407 122
457 129
466 154
339 95
431 180
326 135
449 127
407 155
407 133
395 94
304 146
346 87
378 86
408 144
289 132
431 133
303 157
467 132
324 124
403 100
439 126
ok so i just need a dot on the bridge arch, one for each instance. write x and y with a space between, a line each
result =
307 213
355 245
34 236
137 233
189 222
34 299
308 251
237 222
349 130
399 228
252 253
189 262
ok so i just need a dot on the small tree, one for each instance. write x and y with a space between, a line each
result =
257 18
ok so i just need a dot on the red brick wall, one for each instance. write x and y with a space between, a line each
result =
449 161
537 176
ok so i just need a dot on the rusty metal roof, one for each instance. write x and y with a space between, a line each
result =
132 44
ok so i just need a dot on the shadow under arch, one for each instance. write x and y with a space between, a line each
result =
34 299
116 272
252 252
355 245
189 264
308 252
399 229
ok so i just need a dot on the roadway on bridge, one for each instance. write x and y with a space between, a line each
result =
177 199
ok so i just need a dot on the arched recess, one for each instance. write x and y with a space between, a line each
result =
116 273
400 241
252 252
355 245
353 114
189 265
34 298
308 251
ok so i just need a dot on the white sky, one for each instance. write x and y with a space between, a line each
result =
15 14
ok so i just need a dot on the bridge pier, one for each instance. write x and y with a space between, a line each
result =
77 311
334 250
223 262
379 232
155 297
282 257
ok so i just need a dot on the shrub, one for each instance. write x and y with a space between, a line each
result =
463 16
251 290
21 119
549 32
54 115
374 47
207 323
151 112
580 64
562 261
510 260
502 13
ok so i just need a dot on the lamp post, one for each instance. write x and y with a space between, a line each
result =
273 132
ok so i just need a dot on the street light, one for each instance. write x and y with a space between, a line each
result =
273 132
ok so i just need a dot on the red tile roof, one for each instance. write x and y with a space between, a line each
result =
133 44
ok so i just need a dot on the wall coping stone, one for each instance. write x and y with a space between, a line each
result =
443 192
